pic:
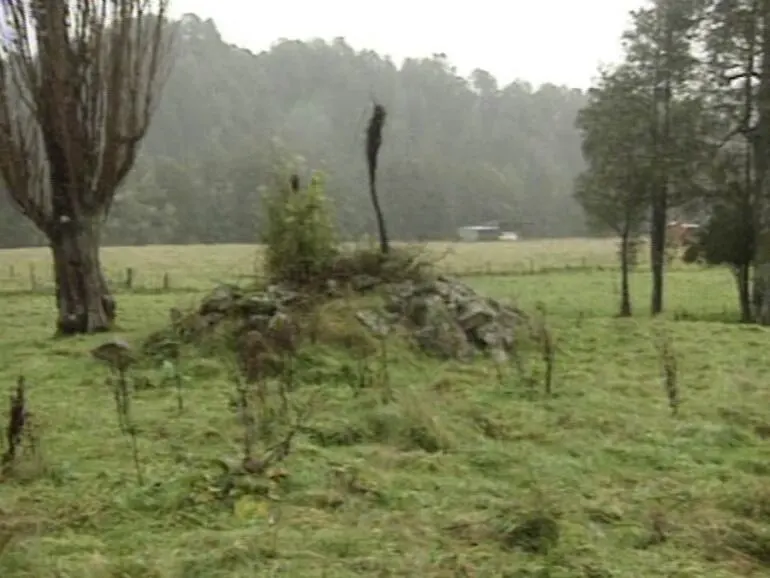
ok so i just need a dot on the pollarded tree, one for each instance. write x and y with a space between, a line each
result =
79 80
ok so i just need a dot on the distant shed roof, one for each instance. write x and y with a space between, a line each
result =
480 228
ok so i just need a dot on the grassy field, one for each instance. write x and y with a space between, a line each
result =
200 266
462 473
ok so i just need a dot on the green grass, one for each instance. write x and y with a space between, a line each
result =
200 266
453 465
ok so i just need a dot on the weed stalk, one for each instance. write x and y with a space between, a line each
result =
669 368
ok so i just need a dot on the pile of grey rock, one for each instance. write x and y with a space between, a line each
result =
448 319
444 317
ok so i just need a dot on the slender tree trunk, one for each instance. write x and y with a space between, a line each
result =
750 221
373 143
761 297
658 217
658 251
625 266
83 298
657 220
742 279
381 227
662 149
760 141
660 203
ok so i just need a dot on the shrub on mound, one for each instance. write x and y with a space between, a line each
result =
299 234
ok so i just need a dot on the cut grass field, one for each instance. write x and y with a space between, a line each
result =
463 472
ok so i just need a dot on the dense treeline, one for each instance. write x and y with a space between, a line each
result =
457 151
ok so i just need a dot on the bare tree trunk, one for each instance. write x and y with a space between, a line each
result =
660 206
625 266
83 298
761 296
662 149
742 280
658 251
760 141
381 227
750 221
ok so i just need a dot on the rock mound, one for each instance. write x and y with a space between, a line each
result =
448 319
443 317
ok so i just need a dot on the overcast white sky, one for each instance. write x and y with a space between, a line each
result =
559 41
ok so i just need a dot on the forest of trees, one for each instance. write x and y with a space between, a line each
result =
456 151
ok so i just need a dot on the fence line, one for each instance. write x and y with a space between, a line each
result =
31 284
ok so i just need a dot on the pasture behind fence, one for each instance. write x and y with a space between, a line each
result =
32 278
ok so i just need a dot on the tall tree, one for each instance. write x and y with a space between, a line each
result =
614 189
738 45
659 46
733 47
78 84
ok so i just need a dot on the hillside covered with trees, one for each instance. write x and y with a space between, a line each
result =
456 151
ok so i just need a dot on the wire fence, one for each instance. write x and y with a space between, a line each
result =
30 280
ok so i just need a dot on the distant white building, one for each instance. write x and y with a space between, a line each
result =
473 233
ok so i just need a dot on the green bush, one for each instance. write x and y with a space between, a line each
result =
300 235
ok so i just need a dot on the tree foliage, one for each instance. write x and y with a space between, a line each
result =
614 189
